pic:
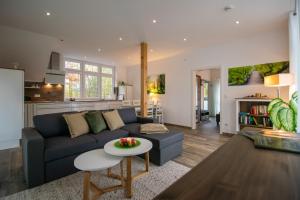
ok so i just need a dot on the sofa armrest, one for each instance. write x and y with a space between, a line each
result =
33 156
145 120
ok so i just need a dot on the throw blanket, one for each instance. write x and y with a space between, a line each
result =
152 128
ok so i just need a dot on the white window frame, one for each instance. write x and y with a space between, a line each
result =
99 75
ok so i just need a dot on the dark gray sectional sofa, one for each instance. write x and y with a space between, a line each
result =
49 151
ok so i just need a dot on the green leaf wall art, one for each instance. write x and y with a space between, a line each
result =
254 74
283 114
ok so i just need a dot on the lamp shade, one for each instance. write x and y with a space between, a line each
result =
278 80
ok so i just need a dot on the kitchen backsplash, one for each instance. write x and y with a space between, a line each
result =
37 91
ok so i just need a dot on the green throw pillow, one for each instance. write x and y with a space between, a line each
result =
95 121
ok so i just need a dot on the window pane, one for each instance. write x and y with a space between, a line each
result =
90 68
205 105
72 85
107 70
205 89
72 65
107 87
91 86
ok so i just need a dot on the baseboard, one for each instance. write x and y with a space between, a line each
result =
169 124
9 144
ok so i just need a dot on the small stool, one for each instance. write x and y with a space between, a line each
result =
96 160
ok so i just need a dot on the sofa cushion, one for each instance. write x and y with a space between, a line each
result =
132 128
161 140
77 124
50 125
95 121
113 120
62 146
128 115
105 136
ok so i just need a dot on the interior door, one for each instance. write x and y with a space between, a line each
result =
198 93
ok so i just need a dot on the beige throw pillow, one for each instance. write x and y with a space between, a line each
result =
152 128
113 120
77 124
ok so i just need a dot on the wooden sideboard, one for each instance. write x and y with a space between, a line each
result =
32 109
238 170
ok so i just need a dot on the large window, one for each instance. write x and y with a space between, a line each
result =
88 80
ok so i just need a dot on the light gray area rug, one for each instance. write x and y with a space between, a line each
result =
145 187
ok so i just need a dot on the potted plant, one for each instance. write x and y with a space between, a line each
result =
284 114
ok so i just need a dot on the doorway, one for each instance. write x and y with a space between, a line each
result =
207 102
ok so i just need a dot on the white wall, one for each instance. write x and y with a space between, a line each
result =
177 102
32 52
205 74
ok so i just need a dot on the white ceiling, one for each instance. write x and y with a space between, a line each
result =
86 25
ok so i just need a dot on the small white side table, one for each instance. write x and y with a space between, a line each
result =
96 160
143 148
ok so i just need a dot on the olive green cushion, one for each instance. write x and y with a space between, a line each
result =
95 121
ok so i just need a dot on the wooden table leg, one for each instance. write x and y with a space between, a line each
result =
128 178
86 185
108 171
122 173
147 161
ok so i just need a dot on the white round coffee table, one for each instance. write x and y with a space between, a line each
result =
96 160
143 148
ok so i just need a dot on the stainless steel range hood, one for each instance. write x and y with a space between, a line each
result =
53 74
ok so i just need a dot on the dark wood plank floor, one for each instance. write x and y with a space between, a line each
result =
198 144
201 142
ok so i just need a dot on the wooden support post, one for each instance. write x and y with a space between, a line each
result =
144 63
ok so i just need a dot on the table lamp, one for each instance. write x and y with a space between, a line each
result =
279 80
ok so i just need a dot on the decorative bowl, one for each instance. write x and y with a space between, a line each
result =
126 143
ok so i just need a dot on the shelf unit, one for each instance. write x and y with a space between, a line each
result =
245 116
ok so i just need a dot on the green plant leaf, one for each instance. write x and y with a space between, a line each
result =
286 117
293 102
274 113
295 96
272 103
293 106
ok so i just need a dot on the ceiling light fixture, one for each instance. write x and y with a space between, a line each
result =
154 21
120 39
184 39
99 50
151 50
48 13
237 22
85 57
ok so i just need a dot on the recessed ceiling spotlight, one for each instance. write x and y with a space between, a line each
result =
184 39
237 22
151 50
48 13
120 38
154 21
99 50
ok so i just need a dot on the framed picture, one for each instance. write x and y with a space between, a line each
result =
156 84
254 74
